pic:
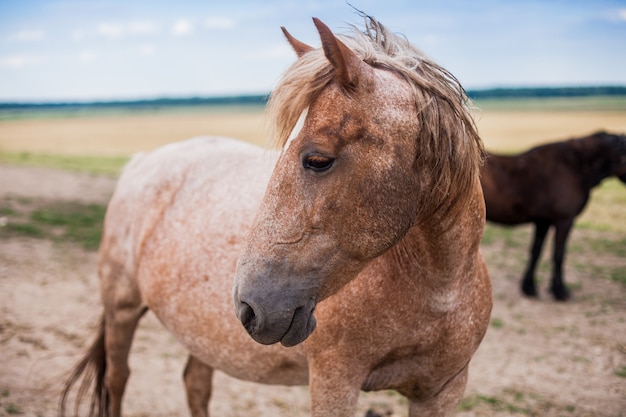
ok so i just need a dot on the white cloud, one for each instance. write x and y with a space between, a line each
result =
87 56
110 30
119 30
621 15
147 49
219 22
182 27
78 36
17 61
143 28
27 35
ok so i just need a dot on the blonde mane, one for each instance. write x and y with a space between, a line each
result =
448 143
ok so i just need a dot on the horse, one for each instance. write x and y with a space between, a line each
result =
355 244
549 186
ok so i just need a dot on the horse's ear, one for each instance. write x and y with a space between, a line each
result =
300 48
345 62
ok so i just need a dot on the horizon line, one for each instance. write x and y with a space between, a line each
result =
261 98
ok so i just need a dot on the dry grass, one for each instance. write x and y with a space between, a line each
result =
119 135
125 134
516 131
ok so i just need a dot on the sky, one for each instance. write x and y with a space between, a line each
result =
98 50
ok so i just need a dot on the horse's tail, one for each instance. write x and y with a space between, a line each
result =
91 369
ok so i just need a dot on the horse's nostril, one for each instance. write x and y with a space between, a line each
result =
248 317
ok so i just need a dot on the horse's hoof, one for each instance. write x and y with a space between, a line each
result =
372 413
529 290
560 294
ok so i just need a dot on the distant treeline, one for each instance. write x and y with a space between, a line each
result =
544 92
147 103
494 93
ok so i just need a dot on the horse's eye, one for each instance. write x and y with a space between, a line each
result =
317 163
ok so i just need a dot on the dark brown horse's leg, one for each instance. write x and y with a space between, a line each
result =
198 383
528 282
558 288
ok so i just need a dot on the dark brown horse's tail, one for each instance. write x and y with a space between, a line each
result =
91 371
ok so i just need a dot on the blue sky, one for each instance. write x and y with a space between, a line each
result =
124 49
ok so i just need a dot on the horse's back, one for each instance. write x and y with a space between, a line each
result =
151 182
542 183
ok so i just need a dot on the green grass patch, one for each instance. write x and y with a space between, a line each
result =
497 323
493 403
512 236
489 235
60 221
618 275
606 210
24 229
512 401
612 246
13 409
6 211
616 246
107 165
79 223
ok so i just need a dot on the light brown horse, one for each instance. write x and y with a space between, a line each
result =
371 220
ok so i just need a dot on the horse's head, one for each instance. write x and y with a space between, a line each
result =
345 189
610 153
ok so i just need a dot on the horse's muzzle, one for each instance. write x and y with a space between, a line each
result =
287 326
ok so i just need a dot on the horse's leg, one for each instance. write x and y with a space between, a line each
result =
528 282
558 288
120 326
197 378
445 402
334 388
123 307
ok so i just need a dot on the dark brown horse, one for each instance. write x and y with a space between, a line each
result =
549 186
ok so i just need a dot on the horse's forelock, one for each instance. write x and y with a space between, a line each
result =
298 88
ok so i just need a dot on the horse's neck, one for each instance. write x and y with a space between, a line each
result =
594 167
445 245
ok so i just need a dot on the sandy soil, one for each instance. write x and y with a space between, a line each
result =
539 357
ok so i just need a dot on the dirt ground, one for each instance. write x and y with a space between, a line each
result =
539 357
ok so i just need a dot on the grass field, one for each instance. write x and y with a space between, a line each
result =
514 125
110 133
102 141
506 125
